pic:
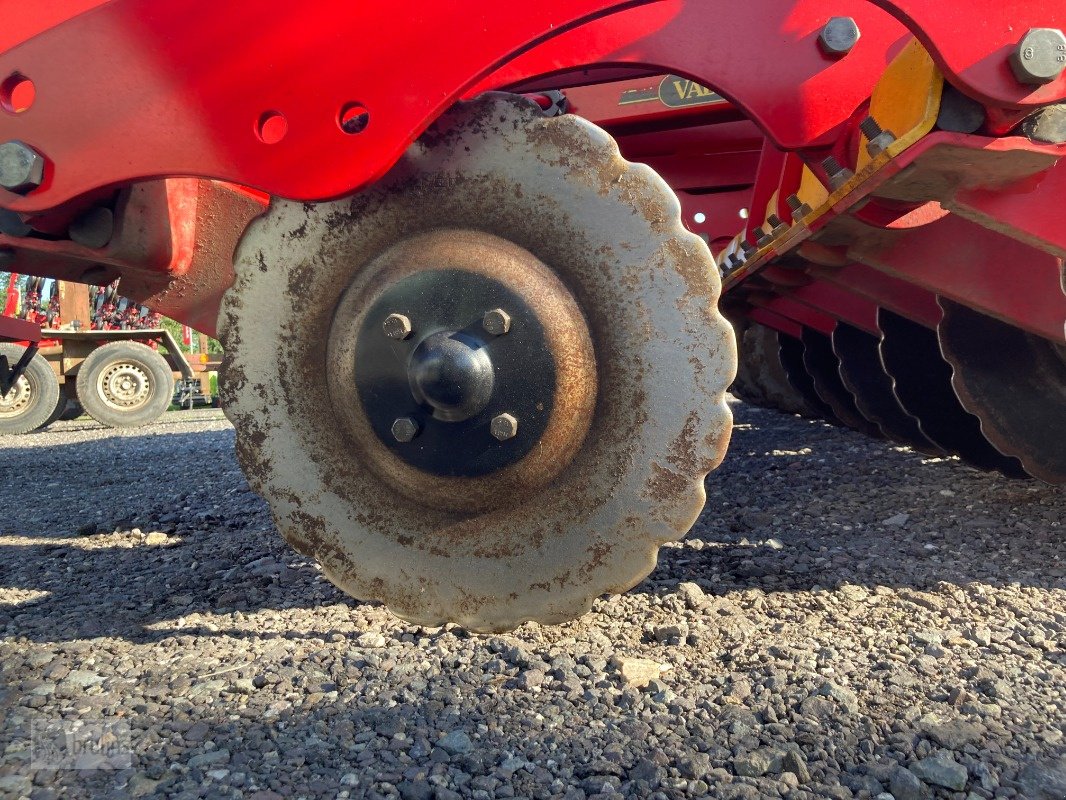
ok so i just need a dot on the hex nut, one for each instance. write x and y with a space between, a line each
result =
397 326
838 36
405 429
21 167
1040 56
496 322
504 427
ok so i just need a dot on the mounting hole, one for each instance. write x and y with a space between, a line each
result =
743 213
353 118
17 93
699 217
271 127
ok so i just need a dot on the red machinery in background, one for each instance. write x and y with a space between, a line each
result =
473 355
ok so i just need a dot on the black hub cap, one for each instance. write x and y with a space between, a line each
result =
451 372
460 394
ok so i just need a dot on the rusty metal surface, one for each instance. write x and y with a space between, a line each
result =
1014 382
611 233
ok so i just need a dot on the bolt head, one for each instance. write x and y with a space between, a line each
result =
504 427
838 36
397 326
496 322
1040 56
405 429
21 167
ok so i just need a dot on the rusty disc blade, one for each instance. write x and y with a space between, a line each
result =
861 370
790 351
824 367
590 252
1014 382
910 353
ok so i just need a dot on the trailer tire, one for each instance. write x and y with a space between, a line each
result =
32 400
125 385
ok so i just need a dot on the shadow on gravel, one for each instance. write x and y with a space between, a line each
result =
796 505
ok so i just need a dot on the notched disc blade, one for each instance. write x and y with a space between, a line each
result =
1014 382
791 355
921 377
861 370
824 367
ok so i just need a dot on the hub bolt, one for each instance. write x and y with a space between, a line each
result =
405 429
497 322
1040 56
838 36
21 167
397 326
504 427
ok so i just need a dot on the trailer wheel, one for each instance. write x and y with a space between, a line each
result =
488 388
31 401
125 385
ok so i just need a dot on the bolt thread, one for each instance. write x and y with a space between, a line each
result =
870 128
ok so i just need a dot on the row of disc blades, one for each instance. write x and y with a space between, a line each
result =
975 387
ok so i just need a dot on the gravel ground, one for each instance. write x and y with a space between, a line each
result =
846 620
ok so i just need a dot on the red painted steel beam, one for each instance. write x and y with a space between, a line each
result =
838 302
19 330
772 320
906 299
765 58
978 267
798 312
142 88
1031 211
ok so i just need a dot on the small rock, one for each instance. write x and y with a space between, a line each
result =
752 765
670 633
243 686
637 672
531 679
953 734
941 770
897 520
1044 780
83 679
847 698
775 544
209 758
794 763
692 595
140 785
456 742
905 785
156 538
371 639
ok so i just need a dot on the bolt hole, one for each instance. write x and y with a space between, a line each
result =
699 217
353 118
743 213
271 127
17 93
